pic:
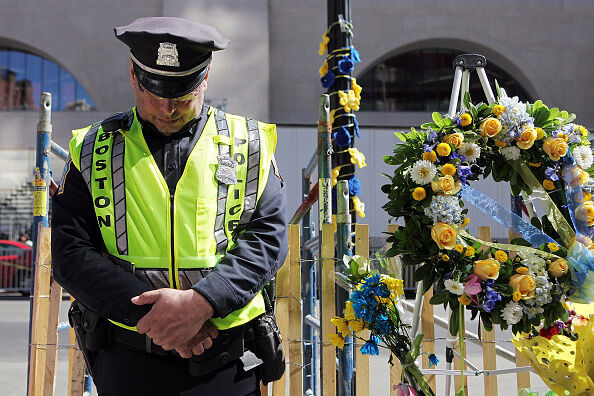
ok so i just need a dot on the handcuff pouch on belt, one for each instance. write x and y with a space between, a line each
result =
92 331
267 340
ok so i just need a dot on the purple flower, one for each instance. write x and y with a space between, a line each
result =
431 135
463 173
491 297
551 173
457 120
404 390
473 285
455 155
559 325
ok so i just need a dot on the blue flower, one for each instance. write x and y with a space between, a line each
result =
464 172
382 325
345 65
342 137
328 79
433 360
491 297
370 347
354 186
431 135
355 55
356 126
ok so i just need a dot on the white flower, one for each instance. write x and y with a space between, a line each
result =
512 313
510 153
422 172
583 156
454 287
470 150
536 265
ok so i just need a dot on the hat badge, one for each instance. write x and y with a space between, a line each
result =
167 55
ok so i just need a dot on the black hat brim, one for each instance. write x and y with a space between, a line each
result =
168 86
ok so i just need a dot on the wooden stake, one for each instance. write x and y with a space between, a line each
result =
362 361
428 329
40 319
523 378
282 314
295 327
55 300
396 368
328 311
76 366
488 339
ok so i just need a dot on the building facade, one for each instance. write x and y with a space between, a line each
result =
541 49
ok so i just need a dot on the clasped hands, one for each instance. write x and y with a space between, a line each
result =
178 320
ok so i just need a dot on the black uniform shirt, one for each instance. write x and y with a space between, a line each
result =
77 245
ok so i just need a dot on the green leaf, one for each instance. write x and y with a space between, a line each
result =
460 392
423 273
400 136
454 322
439 298
497 89
466 100
437 118
520 242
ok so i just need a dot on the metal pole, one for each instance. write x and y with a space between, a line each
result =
455 91
324 158
307 288
343 247
465 87
324 185
40 193
485 84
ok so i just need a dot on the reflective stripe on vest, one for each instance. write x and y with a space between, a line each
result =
133 205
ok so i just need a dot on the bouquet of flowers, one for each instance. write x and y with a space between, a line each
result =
536 149
547 159
373 305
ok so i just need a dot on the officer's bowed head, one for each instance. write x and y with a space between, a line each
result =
171 56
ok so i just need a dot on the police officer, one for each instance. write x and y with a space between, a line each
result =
168 223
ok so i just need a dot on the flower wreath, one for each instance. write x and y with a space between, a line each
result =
547 159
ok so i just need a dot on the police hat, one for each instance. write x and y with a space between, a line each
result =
170 55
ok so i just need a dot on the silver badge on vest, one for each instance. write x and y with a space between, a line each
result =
226 172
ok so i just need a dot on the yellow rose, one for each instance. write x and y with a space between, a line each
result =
517 296
527 139
487 269
501 256
447 185
490 127
448 170
469 251
539 133
548 184
585 212
464 299
498 110
555 148
444 235
430 156
454 138
465 119
558 268
443 149
419 194
524 284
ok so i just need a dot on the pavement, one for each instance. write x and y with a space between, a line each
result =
14 317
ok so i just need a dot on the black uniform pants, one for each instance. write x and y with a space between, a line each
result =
121 371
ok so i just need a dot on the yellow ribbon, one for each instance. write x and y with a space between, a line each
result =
553 213
523 251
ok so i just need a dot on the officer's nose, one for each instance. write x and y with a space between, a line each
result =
167 106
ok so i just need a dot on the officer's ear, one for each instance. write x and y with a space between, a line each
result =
132 75
204 83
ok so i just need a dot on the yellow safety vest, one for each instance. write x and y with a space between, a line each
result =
170 239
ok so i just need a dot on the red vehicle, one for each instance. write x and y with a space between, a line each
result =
15 265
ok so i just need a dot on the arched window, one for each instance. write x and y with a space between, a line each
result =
23 76
421 80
